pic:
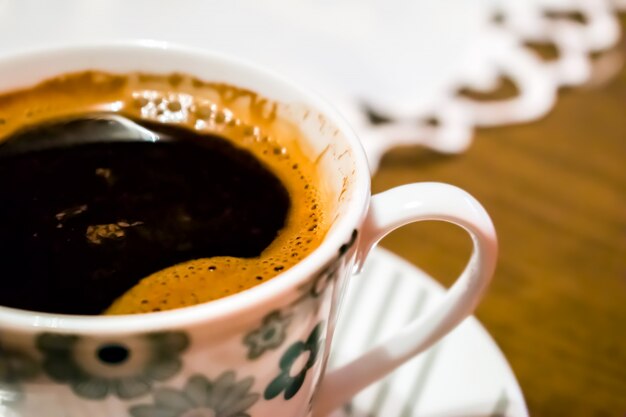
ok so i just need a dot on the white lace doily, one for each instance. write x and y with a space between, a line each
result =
402 60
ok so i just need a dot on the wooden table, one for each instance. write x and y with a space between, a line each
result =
556 190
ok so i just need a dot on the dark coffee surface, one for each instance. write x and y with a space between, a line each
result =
91 206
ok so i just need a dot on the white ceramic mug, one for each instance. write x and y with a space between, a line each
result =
258 353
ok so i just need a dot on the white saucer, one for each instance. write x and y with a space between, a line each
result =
465 374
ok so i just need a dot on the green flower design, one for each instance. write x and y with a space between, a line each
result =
290 380
322 281
224 397
98 367
15 367
318 285
270 335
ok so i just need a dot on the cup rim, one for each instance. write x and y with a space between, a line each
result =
237 304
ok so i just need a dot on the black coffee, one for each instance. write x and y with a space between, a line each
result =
90 206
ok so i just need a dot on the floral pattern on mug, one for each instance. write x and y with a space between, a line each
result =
294 365
330 272
201 397
124 367
322 281
270 335
15 367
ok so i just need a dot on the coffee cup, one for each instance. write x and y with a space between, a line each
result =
261 352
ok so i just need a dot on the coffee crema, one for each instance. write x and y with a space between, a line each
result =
138 193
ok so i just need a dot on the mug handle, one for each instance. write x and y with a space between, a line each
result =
388 211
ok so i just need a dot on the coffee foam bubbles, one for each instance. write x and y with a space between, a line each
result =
245 118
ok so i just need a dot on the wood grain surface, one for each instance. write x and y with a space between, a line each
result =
556 190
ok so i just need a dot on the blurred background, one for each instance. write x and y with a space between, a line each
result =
556 190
